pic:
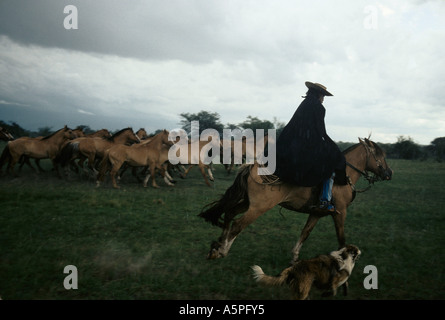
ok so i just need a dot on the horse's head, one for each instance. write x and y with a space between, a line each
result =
104 133
376 161
5 135
69 133
79 132
164 134
134 138
142 134
129 135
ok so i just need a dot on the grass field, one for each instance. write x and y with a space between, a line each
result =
143 243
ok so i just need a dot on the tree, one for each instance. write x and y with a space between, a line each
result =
406 148
438 148
279 126
232 126
255 123
44 131
207 120
16 130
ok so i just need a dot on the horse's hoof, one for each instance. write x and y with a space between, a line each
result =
213 254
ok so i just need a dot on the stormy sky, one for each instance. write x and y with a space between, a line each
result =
142 63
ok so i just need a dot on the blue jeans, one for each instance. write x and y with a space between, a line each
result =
326 193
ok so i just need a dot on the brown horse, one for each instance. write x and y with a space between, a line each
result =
38 148
66 151
244 153
192 158
142 134
102 133
77 133
94 148
250 194
152 154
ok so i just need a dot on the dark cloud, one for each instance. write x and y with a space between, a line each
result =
36 118
184 30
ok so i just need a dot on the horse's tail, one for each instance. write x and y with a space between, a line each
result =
67 153
234 201
6 155
263 278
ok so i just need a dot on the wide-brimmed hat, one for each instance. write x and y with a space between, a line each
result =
319 87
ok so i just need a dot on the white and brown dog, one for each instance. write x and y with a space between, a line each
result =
325 272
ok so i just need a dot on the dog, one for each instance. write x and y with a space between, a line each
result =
325 272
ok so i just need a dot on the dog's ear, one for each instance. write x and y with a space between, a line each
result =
354 251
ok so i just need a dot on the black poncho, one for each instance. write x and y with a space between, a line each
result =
305 154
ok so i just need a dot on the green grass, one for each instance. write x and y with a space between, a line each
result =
145 243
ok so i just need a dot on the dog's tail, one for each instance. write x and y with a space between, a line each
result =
263 278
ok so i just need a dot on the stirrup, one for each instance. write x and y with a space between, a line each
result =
327 206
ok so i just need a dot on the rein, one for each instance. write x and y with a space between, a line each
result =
370 178
365 174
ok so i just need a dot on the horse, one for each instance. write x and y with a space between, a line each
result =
142 134
247 151
93 148
78 132
62 156
5 135
152 154
38 148
102 133
255 195
197 159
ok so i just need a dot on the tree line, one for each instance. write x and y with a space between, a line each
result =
404 148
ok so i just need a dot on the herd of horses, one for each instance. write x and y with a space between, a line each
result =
97 154
250 195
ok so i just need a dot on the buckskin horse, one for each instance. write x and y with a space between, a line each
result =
78 132
153 154
251 194
93 148
37 148
195 160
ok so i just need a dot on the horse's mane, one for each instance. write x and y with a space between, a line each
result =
378 150
54 133
118 133
351 148
158 135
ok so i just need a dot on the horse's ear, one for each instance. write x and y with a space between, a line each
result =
361 141
370 144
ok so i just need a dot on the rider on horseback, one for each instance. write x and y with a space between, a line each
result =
306 155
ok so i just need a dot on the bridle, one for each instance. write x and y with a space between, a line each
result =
371 178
